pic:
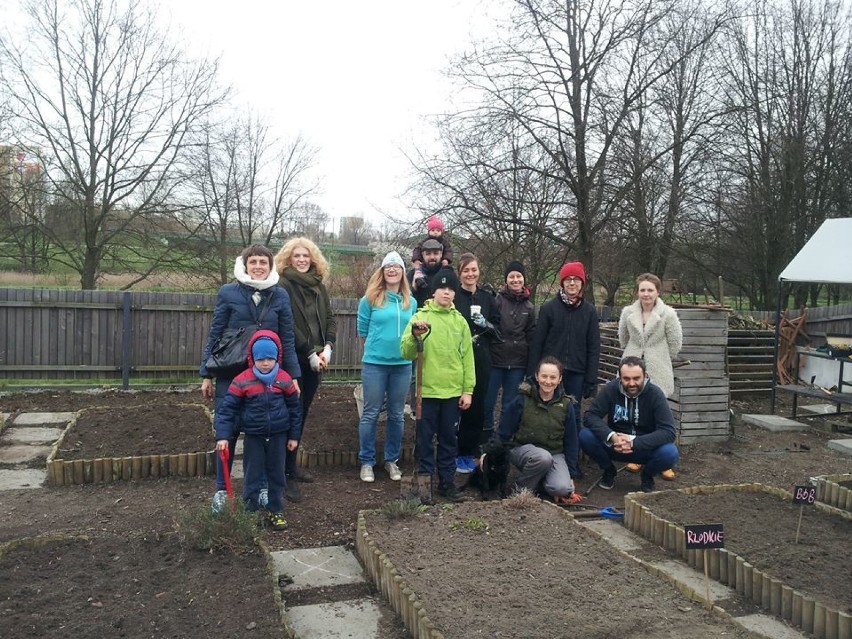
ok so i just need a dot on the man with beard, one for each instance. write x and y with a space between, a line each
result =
432 251
630 421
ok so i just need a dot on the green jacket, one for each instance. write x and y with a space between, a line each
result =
448 369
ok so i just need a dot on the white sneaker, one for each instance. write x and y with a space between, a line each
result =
220 498
367 473
393 470
263 497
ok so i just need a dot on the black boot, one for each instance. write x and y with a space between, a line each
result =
292 492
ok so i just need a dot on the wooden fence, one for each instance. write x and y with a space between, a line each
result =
90 335
821 321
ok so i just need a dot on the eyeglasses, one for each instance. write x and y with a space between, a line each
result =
392 267
573 280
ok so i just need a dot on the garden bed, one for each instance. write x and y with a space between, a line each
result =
143 441
108 586
808 583
490 569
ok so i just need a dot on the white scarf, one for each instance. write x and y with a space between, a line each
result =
244 278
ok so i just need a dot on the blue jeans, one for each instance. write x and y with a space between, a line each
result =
654 461
380 381
508 379
440 420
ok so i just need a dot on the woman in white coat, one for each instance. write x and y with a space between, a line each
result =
650 329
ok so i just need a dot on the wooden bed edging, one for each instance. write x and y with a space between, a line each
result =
393 587
829 491
307 458
735 571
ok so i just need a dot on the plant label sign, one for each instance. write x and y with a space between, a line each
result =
703 536
804 494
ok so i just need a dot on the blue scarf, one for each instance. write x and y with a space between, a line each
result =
266 378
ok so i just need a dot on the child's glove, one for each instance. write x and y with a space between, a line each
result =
314 361
479 320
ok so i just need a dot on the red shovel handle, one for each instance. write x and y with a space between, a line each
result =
224 453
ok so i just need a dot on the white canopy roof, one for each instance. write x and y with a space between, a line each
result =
826 257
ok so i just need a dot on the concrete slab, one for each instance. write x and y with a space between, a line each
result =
357 618
23 478
769 627
773 423
818 409
318 567
22 454
684 574
613 532
31 435
841 445
40 419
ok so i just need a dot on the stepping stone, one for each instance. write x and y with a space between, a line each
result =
22 454
773 423
318 567
22 478
40 419
841 445
818 409
617 535
767 626
31 435
357 618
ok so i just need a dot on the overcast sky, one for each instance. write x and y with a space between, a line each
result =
355 78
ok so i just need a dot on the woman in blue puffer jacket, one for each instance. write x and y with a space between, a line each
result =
255 296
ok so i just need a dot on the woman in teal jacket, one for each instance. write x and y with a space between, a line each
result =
383 315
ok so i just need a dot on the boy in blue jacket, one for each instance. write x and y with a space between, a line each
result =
264 400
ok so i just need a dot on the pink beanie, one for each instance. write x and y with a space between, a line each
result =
572 268
434 223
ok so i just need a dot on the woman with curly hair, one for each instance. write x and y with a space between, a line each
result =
303 268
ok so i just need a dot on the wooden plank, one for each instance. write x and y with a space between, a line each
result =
691 382
708 417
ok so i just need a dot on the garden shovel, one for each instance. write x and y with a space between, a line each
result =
414 487
224 454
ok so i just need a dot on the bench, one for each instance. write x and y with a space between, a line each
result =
841 399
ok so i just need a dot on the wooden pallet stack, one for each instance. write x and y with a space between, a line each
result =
700 401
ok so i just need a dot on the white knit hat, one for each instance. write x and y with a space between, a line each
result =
393 258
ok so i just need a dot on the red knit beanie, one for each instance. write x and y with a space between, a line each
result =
434 223
572 268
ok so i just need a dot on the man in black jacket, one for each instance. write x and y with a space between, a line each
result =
630 421
432 251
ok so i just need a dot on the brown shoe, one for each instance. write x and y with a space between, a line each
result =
634 468
668 474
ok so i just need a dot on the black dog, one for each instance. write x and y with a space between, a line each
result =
491 478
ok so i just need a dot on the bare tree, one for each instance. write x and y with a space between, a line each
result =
243 190
569 75
108 101
788 68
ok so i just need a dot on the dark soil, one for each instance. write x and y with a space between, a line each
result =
121 512
761 528
107 586
487 569
141 430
